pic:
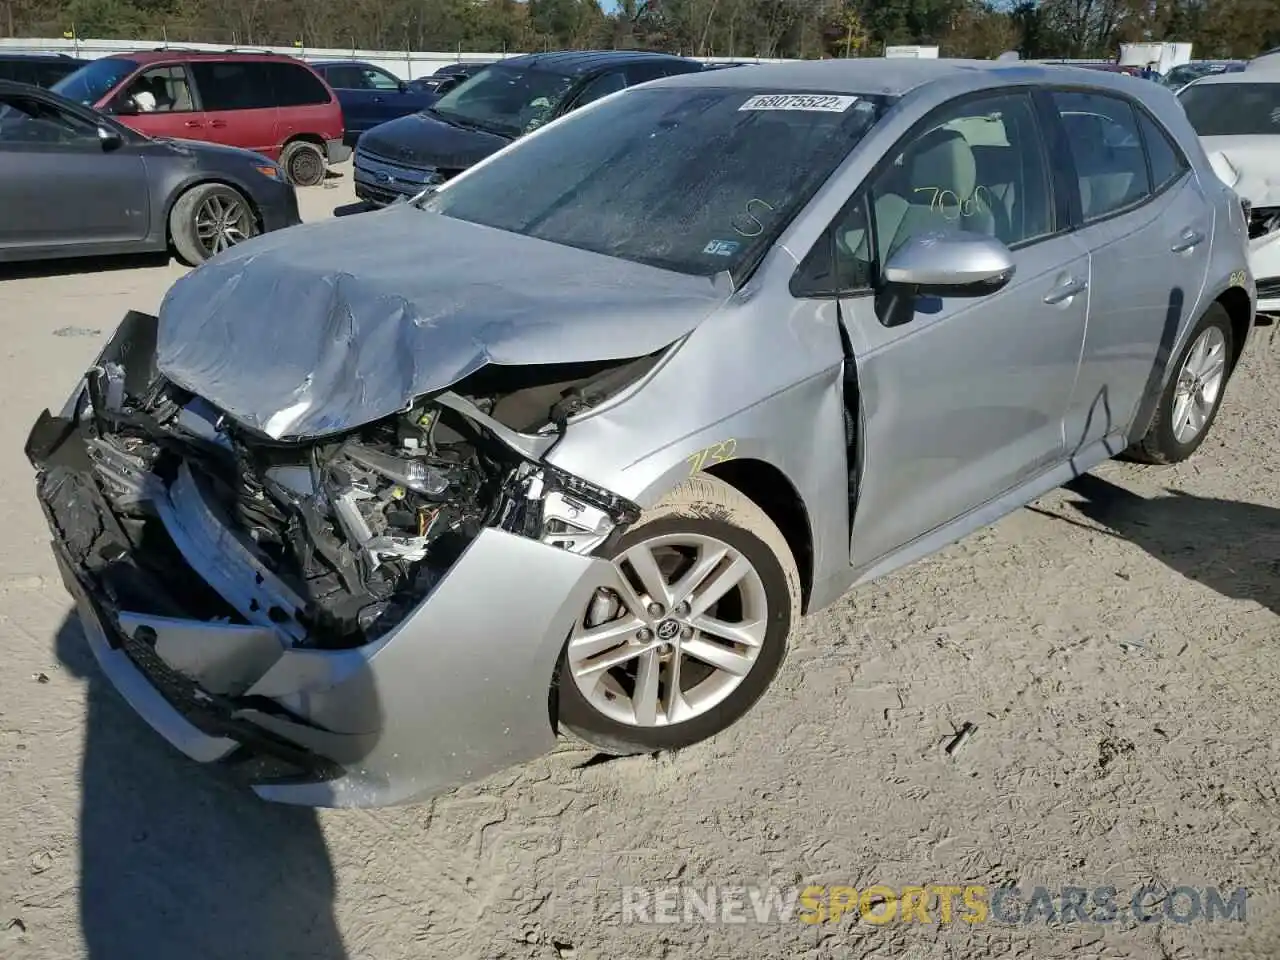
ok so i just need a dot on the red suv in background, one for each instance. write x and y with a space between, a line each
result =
269 103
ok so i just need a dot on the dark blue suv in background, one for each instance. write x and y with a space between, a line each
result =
370 95
482 115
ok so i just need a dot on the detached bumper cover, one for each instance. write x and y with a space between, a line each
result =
458 690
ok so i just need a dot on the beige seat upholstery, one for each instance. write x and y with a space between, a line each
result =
912 200
934 193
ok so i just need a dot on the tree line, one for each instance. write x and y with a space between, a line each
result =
724 28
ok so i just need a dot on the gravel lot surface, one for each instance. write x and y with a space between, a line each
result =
1115 647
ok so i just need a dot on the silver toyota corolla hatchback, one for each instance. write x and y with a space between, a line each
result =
570 444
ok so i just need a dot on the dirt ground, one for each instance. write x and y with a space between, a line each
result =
1115 646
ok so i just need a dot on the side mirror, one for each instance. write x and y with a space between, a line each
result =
934 265
404 87
124 107
109 138
958 264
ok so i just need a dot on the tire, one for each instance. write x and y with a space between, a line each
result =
189 221
1163 441
705 512
303 163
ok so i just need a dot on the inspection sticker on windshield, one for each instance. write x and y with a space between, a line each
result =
822 103
721 248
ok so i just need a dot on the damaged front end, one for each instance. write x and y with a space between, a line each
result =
371 616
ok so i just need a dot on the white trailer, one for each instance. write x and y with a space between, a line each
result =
1163 56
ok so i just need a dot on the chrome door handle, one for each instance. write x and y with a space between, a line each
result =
1066 290
1189 240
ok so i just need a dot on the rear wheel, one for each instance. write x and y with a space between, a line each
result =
1191 399
691 633
210 218
303 163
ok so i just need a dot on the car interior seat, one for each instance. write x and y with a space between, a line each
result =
931 189
1106 170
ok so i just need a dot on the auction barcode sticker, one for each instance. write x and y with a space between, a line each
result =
823 103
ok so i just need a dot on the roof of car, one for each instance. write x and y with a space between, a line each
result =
894 76
571 62
179 53
1261 73
43 57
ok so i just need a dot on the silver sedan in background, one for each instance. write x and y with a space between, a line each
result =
570 444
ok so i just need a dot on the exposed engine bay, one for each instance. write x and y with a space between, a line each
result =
1263 221
352 531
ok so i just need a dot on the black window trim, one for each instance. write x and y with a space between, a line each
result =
1068 159
1057 229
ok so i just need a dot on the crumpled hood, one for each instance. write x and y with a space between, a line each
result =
322 328
1248 165
420 140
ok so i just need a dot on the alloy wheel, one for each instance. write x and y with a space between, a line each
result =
676 634
1199 385
222 221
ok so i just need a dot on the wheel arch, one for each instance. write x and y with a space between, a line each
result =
1239 306
188 185
773 492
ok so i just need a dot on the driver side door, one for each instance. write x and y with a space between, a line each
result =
60 184
963 397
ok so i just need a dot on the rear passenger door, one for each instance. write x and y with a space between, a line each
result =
239 105
1149 228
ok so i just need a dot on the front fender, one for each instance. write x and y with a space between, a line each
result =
799 431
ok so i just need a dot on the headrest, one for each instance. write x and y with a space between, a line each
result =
942 158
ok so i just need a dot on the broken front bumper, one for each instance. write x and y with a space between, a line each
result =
458 690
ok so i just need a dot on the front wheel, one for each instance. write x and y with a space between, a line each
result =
210 218
1191 399
692 631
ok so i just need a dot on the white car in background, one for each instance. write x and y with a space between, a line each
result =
1237 116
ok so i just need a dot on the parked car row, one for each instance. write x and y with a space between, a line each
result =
682 362
492 108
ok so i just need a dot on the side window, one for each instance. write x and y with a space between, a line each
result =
978 166
601 86
47 74
644 72
161 90
232 85
1167 161
1107 150
294 85
26 120
378 80
343 78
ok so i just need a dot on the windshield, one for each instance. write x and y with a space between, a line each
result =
693 179
504 100
1232 109
94 79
